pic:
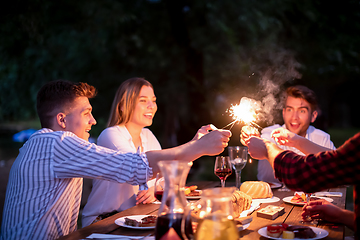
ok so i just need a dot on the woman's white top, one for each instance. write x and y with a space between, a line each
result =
108 196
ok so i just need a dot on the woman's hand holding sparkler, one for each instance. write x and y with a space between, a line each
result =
204 130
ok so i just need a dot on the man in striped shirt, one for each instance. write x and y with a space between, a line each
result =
45 183
320 169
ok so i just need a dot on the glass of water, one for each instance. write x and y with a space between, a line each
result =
238 157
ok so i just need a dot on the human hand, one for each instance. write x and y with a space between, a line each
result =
282 136
145 196
321 209
214 142
204 130
257 148
246 133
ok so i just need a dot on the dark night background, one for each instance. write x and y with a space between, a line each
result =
201 57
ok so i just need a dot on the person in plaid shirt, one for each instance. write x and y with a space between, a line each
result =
320 169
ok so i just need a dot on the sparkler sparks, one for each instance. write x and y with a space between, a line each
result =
244 112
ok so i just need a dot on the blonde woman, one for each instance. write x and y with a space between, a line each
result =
133 110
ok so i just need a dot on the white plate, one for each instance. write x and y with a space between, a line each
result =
121 221
274 185
320 233
266 200
194 197
243 227
288 200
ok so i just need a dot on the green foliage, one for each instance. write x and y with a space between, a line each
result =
201 56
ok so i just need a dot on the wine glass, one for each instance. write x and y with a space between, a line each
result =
158 187
308 219
222 168
238 157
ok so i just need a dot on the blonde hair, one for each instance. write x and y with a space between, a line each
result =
125 100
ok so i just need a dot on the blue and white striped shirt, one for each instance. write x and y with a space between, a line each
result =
45 183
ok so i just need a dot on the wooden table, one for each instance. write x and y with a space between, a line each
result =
291 216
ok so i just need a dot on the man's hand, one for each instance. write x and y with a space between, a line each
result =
246 133
257 148
214 142
322 209
282 136
204 130
145 196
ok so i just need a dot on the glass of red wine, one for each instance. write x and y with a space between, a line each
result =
222 168
158 187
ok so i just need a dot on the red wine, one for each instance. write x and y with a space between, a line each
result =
159 194
165 222
223 173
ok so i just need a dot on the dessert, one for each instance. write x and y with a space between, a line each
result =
289 232
276 230
147 221
241 202
288 235
256 189
302 231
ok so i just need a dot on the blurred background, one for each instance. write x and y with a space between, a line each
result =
201 57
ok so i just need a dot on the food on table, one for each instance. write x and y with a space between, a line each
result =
302 231
289 232
257 189
299 198
276 230
241 202
147 221
190 191
288 235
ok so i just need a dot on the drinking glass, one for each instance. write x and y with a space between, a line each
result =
238 157
158 187
222 168
308 219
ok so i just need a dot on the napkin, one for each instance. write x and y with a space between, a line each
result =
324 194
328 194
112 236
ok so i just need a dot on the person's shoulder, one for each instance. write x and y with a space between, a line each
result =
112 130
312 131
267 131
147 133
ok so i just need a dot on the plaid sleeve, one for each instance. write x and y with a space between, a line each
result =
320 171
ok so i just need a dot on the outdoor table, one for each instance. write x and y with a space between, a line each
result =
292 216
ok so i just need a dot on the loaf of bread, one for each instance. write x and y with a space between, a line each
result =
256 189
241 202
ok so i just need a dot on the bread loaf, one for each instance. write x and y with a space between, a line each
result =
241 202
256 189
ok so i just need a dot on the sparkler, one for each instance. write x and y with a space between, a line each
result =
245 112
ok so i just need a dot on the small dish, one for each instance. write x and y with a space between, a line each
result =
288 200
320 233
121 221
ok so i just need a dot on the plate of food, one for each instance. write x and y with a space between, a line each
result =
275 185
192 193
137 221
296 232
300 199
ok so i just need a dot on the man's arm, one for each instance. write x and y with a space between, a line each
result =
284 137
260 148
211 144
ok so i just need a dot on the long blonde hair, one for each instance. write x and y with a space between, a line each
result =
125 100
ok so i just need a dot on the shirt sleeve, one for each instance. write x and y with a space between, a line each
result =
320 171
74 157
